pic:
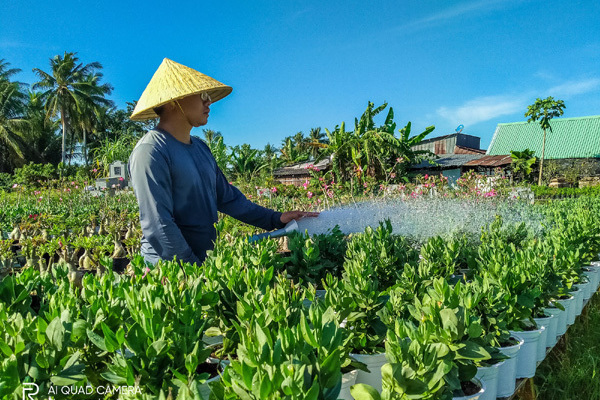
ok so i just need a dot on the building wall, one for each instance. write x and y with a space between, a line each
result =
446 145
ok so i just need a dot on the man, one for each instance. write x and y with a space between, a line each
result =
177 182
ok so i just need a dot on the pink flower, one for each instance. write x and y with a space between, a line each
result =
15 186
146 272
426 176
310 195
72 183
330 194
273 189
95 170
392 175
365 184
121 179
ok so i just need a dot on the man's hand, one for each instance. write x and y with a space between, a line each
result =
290 215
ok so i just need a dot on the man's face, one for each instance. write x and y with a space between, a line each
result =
196 110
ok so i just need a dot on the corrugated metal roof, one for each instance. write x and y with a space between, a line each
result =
467 150
570 138
490 161
302 168
448 161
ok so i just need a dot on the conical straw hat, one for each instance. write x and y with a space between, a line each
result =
173 81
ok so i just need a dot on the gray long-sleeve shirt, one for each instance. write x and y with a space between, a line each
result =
179 189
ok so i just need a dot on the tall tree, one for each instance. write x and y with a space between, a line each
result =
218 148
544 111
70 88
317 141
41 132
12 107
91 110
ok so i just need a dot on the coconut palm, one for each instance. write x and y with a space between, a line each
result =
12 107
40 132
316 141
92 110
70 88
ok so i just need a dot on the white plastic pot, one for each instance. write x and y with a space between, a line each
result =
563 321
374 363
594 276
527 360
507 371
489 378
585 289
553 327
476 396
577 305
543 342
348 379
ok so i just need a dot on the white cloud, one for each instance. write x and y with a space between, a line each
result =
487 108
573 88
453 12
483 109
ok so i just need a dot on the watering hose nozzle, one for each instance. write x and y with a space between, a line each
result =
292 226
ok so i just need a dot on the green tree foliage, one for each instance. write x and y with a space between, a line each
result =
522 162
544 111
246 162
70 90
217 147
371 150
12 109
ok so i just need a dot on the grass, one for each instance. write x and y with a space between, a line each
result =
572 370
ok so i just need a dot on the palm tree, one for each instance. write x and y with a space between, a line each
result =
317 141
218 148
270 157
40 132
12 107
246 162
92 109
69 88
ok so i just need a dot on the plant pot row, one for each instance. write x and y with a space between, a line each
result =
499 380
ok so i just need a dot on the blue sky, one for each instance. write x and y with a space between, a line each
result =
295 65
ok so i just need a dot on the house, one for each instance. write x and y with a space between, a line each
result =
297 174
452 152
572 147
452 166
571 138
455 143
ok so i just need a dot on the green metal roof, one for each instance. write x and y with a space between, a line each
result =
570 138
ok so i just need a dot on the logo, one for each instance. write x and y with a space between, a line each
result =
30 387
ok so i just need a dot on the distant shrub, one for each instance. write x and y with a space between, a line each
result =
31 174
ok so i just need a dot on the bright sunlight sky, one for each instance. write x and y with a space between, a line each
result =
295 65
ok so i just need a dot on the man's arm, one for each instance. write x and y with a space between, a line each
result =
151 180
232 202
